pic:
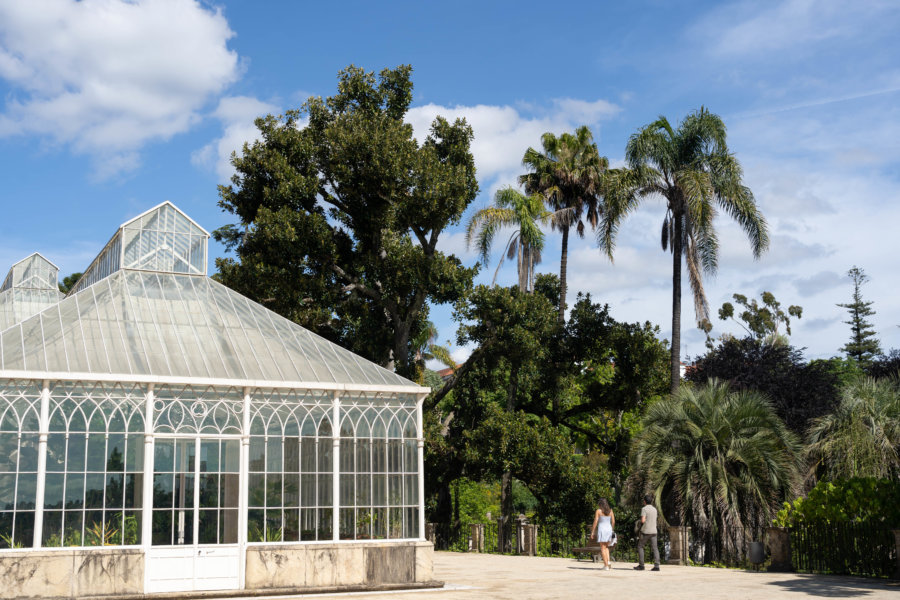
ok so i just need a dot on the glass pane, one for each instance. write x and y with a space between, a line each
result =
325 490
162 528
93 490
164 455
257 489
228 526
347 523
209 526
163 486
209 456
292 455
231 450
53 490
56 452
75 458
209 492
273 455
291 525
134 489
273 490
134 455
256 520
257 454
75 490
229 491
115 490
52 534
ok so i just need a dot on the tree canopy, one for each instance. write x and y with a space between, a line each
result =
339 213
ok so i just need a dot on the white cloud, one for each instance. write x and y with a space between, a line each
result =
747 28
105 77
504 133
237 115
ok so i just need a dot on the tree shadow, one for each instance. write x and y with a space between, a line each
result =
823 586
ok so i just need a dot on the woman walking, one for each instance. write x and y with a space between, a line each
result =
602 529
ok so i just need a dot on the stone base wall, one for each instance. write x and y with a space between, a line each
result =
120 572
335 565
71 573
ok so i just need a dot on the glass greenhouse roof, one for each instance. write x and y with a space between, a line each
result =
145 309
30 287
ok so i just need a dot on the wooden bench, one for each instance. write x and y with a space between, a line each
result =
592 547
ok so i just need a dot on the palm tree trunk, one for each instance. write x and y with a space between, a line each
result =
520 265
676 304
564 259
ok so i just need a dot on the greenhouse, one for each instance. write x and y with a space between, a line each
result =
159 432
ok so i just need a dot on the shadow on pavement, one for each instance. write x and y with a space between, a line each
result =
832 587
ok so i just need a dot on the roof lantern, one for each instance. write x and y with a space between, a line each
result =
29 287
163 240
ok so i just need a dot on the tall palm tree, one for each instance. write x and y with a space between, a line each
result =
861 438
723 457
696 175
568 175
511 209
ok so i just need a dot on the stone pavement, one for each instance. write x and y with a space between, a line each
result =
490 576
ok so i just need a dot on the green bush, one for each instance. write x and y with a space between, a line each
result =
860 499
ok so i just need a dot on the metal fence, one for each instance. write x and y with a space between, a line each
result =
844 549
551 541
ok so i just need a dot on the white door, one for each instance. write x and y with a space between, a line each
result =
196 491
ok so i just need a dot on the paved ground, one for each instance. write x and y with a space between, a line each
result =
489 576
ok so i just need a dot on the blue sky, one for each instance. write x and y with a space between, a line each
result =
110 107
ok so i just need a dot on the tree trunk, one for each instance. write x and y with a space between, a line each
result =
506 506
676 304
562 275
401 364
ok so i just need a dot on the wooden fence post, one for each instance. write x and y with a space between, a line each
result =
476 530
778 543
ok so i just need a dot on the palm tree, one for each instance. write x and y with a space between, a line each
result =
722 457
511 209
696 175
427 348
568 175
861 438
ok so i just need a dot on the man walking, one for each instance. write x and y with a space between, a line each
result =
648 533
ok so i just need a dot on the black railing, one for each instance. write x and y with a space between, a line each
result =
844 549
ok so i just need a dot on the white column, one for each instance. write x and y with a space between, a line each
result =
147 495
42 465
420 443
147 498
335 466
243 483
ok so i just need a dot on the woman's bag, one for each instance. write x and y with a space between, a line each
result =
613 539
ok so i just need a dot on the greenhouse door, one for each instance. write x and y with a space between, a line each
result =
196 491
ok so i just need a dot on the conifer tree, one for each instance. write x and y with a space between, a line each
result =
863 345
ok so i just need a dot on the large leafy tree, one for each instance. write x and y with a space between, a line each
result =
721 459
861 438
568 174
863 345
511 329
525 214
340 210
692 170
800 391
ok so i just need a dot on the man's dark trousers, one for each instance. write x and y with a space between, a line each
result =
645 537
